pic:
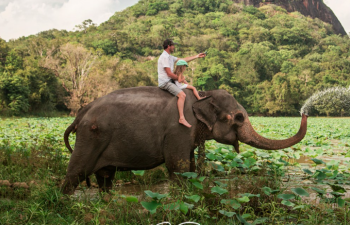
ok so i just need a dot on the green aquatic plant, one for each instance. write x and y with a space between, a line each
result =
251 187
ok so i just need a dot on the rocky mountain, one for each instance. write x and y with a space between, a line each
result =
312 8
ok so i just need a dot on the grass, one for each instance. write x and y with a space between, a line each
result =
245 188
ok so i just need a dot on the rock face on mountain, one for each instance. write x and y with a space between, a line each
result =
312 8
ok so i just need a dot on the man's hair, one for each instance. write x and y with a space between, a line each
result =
167 42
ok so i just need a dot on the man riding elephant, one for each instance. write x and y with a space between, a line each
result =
166 76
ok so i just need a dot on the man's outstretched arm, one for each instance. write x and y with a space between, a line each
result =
188 59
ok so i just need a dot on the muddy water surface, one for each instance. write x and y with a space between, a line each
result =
295 176
126 189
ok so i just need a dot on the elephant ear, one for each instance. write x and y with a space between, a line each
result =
206 111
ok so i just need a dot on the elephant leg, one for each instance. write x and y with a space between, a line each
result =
177 152
76 173
87 150
201 158
178 163
236 146
105 177
71 182
193 162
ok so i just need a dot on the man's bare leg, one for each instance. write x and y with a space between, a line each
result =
195 92
180 105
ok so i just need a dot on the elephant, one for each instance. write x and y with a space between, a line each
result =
137 129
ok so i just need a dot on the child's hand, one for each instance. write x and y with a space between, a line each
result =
181 79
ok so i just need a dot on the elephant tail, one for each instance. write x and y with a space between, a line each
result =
71 128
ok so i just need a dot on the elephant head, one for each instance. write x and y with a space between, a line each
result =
228 123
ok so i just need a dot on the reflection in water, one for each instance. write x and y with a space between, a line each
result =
302 160
306 160
297 178
161 188
127 189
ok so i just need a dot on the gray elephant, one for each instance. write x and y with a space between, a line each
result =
138 129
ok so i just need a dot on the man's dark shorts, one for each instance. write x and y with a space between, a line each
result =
171 87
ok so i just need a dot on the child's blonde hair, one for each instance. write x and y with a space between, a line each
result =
179 71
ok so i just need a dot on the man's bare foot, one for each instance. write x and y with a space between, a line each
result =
184 122
202 97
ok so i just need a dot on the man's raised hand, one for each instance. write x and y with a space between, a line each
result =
201 55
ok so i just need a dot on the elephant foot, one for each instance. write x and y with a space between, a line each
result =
71 182
193 165
68 187
176 178
201 165
236 146
105 187
105 178
68 190
201 171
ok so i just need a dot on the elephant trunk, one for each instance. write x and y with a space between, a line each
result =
249 136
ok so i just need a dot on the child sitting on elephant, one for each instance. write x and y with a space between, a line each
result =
181 82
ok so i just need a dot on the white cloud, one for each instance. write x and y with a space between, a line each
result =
20 18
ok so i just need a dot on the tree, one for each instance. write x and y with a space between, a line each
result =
4 49
85 25
154 8
108 46
72 65
270 60
14 93
128 75
13 62
100 81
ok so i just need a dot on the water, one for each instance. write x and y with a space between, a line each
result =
295 176
331 100
126 189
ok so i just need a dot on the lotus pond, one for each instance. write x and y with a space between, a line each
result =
306 184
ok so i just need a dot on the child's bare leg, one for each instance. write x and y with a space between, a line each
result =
180 105
195 92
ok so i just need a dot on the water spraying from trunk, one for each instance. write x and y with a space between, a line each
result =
330 101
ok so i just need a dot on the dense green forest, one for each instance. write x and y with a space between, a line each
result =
271 61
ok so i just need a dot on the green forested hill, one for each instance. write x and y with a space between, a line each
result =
268 59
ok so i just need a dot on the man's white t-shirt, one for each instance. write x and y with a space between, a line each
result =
165 60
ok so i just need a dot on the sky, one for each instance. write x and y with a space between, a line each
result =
341 10
26 17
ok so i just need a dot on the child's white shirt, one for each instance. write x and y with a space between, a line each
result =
180 85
